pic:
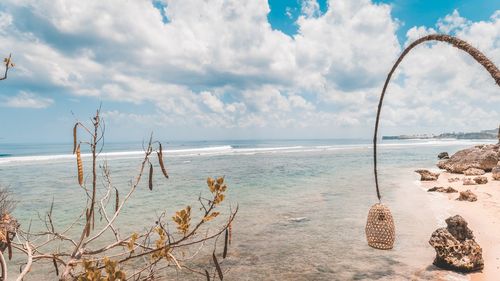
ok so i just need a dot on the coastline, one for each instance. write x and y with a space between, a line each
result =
483 217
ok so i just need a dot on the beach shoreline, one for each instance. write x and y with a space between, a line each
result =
483 217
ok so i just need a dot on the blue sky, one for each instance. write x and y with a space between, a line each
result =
238 70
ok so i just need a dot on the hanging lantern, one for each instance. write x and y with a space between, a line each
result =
380 230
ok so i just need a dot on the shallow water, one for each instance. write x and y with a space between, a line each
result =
303 204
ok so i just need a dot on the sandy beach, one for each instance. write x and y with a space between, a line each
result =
483 217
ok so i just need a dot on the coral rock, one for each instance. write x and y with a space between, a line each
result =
443 155
455 247
467 196
453 179
481 180
426 175
484 157
474 172
469 181
495 173
442 189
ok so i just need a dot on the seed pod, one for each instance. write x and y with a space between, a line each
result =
74 137
226 239
9 245
87 230
80 165
87 223
150 176
217 266
207 275
117 200
55 265
230 227
160 160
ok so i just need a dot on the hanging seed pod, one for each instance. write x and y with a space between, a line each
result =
80 165
87 223
74 137
160 160
230 227
217 266
150 176
55 266
9 245
117 200
226 239
380 230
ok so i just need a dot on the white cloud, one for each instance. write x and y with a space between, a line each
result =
452 22
310 8
221 64
27 100
212 102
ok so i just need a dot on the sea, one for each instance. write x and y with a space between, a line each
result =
302 203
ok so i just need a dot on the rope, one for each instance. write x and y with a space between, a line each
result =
455 42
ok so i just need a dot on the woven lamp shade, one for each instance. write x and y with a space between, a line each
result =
380 230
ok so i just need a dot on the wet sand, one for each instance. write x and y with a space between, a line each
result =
482 215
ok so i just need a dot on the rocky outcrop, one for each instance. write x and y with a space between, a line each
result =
474 172
453 179
484 157
481 180
442 189
495 173
468 181
467 196
426 175
443 155
455 247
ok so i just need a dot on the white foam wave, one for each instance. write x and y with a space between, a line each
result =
229 150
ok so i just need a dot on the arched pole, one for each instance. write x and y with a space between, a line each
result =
455 42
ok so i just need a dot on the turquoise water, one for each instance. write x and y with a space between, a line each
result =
303 204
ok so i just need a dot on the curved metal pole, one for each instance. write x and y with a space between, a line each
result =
455 42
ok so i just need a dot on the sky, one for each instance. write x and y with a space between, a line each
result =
232 69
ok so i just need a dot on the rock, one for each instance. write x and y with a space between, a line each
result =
443 155
495 173
467 196
426 175
481 180
474 172
468 181
455 247
453 179
484 157
442 189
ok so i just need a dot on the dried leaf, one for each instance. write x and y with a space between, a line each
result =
226 239
117 200
150 176
74 137
55 266
217 266
207 275
80 165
